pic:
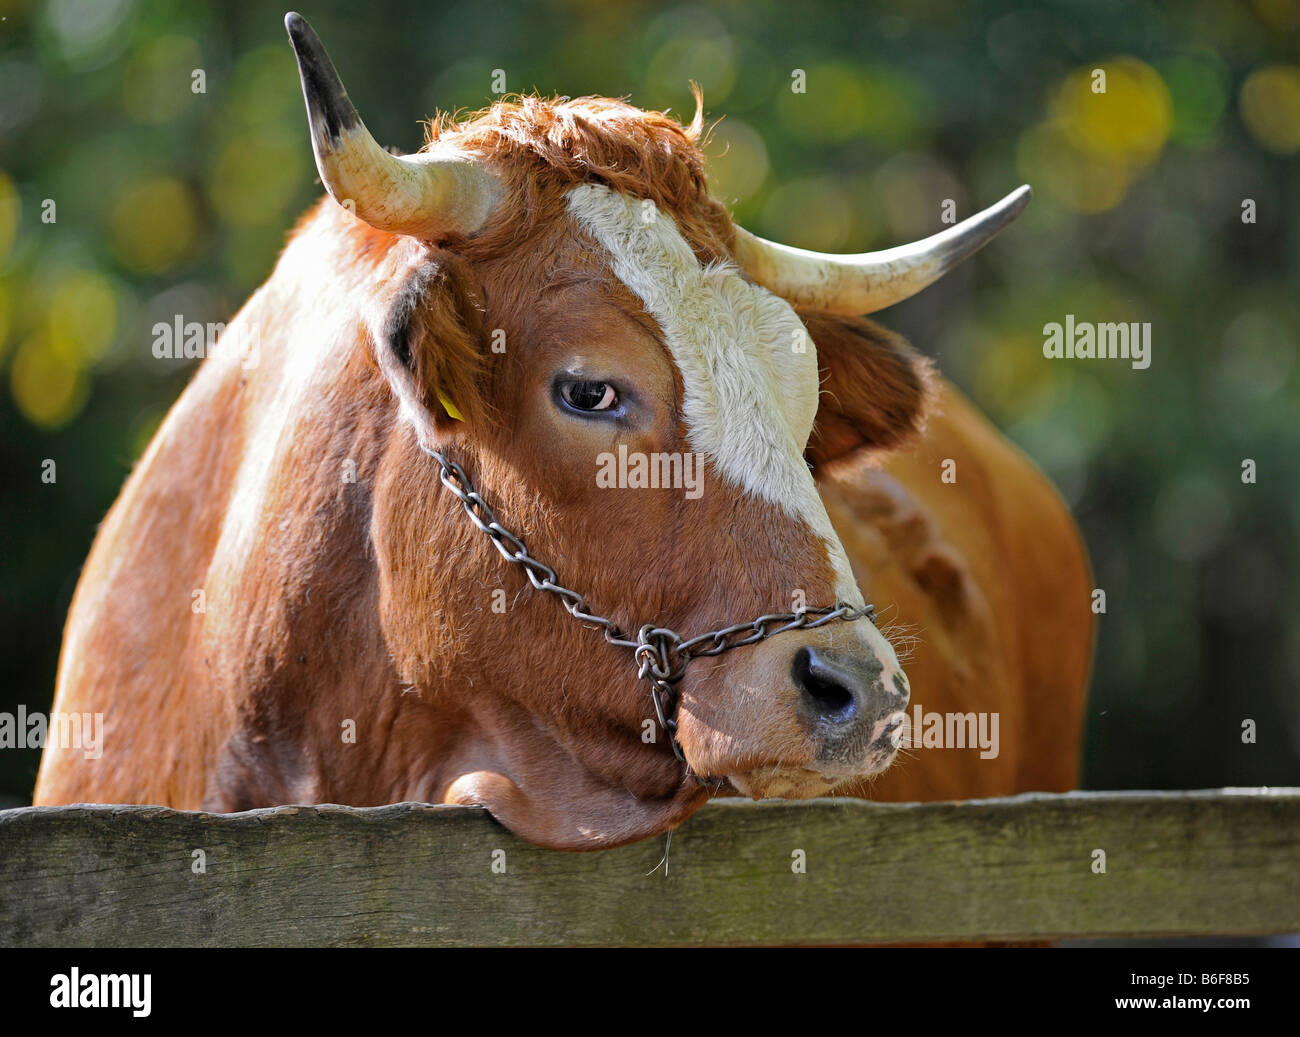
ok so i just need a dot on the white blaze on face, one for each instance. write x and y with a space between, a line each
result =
749 368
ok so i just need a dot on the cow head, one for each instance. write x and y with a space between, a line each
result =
559 305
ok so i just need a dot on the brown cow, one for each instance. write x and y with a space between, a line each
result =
286 604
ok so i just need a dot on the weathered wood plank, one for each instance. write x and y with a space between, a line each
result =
1225 862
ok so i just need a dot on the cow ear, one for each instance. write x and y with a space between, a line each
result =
875 389
429 346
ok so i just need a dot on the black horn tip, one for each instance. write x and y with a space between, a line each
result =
328 106
302 37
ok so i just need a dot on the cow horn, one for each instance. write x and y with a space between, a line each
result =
871 281
429 195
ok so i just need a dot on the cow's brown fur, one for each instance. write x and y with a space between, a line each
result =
343 585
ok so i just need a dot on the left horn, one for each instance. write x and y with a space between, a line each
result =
428 195
871 281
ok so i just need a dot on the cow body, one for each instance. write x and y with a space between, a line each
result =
989 581
286 605
985 578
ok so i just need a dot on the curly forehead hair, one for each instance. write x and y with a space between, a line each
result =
534 143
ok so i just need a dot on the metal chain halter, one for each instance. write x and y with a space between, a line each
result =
661 654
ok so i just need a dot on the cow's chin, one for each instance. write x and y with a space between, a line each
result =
804 782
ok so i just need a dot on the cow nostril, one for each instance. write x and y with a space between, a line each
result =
828 689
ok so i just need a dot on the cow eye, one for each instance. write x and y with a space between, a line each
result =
588 396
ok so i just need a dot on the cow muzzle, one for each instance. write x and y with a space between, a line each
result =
795 719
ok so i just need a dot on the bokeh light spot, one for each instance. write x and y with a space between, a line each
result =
154 225
156 84
82 316
1257 356
255 177
1094 145
845 102
1270 107
737 159
812 213
1198 84
1129 122
48 386
1083 182
707 61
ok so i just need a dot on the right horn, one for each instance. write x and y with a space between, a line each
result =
429 195
870 281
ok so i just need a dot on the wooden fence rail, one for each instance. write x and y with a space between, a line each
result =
1176 863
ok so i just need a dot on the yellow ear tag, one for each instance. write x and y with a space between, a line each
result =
450 407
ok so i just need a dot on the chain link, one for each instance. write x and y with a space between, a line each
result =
660 653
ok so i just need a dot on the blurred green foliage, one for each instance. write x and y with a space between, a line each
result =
170 199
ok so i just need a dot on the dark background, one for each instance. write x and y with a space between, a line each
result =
171 202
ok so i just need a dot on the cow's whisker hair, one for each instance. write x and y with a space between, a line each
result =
668 845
